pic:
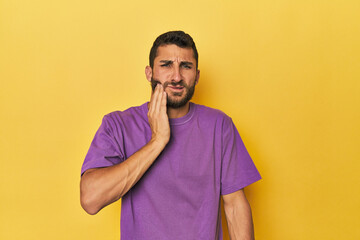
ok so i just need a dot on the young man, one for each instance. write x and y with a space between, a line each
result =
170 160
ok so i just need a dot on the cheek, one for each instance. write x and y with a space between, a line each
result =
162 74
190 76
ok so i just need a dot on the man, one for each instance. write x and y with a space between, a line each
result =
170 160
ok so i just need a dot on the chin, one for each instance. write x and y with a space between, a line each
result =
178 103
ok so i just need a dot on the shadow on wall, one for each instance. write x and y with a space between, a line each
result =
224 223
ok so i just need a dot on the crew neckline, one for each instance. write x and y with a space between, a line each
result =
176 121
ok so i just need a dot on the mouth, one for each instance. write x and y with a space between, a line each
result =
176 88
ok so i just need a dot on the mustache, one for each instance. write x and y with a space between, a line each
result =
181 83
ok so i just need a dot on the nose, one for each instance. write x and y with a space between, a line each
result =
176 74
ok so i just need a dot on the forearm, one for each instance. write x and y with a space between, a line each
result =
239 218
102 186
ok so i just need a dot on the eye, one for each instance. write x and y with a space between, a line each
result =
186 66
165 64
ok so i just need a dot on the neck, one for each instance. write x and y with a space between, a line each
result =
178 112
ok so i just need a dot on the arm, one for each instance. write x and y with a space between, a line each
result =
101 186
238 216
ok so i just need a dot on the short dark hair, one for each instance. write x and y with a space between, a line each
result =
179 38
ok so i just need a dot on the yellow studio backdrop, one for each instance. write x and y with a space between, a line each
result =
287 72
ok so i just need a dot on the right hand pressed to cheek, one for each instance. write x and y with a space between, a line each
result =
158 118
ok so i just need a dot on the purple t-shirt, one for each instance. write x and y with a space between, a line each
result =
179 195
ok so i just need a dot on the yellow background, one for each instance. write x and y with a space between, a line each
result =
287 72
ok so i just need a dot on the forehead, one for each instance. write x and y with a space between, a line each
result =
173 52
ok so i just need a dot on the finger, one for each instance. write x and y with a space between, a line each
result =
153 98
163 102
157 94
159 99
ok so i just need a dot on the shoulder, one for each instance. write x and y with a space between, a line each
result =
136 113
212 118
210 113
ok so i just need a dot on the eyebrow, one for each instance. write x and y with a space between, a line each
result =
181 63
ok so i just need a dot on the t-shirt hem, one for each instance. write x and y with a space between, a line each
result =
237 187
95 166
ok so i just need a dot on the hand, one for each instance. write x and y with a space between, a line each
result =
158 118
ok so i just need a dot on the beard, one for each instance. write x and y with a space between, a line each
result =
174 100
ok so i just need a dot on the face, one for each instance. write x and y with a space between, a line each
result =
175 69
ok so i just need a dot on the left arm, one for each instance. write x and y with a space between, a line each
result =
238 216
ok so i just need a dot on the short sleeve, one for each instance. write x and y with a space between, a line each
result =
237 170
105 149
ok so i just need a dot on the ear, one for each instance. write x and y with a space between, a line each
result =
197 76
148 73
